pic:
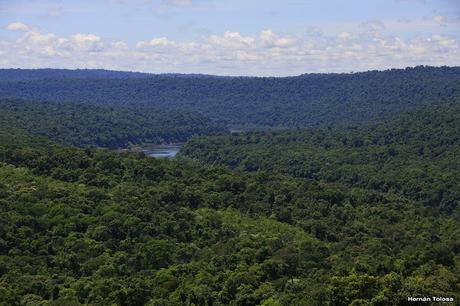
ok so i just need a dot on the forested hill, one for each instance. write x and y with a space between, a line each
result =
108 126
35 74
416 154
364 215
306 100
92 227
17 74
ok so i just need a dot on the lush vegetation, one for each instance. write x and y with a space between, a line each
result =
364 214
306 100
416 155
85 226
103 126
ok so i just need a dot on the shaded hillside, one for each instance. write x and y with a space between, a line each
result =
307 100
415 154
102 125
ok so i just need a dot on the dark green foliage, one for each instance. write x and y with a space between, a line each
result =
416 155
85 226
103 126
364 215
307 100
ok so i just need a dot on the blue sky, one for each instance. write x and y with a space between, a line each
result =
236 37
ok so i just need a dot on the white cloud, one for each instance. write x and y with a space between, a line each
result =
344 36
17 26
162 41
38 38
267 35
234 53
86 42
232 40
272 40
120 45
285 42
439 19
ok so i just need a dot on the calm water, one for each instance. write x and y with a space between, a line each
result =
162 151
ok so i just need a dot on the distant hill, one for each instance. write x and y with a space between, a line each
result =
302 101
18 74
36 74
107 126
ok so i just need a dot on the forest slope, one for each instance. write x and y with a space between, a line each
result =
85 226
306 100
415 154
102 125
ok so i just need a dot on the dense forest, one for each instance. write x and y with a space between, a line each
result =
302 101
415 155
356 204
40 74
104 126
92 227
37 74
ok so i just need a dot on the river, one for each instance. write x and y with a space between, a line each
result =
162 151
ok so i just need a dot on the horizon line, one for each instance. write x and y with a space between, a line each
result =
229 76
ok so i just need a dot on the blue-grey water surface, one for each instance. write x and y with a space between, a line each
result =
162 151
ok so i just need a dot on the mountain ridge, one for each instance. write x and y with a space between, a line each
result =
261 102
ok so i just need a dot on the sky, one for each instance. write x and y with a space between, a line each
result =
237 37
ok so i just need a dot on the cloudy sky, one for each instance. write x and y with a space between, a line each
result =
229 37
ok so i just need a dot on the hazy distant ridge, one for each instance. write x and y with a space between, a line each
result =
306 100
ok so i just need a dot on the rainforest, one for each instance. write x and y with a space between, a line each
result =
318 189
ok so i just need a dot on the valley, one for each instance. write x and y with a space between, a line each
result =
122 188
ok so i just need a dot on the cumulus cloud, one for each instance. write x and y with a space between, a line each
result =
231 40
162 41
86 42
17 26
344 36
233 53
